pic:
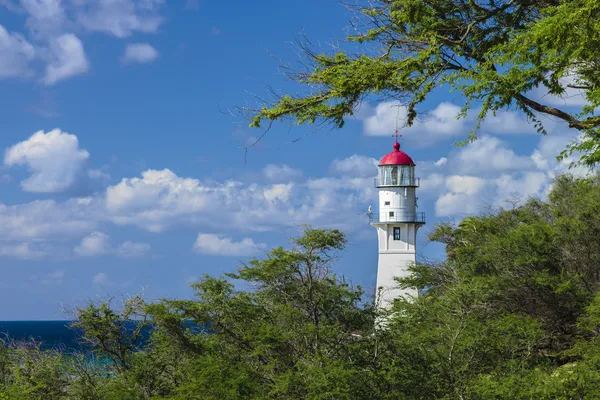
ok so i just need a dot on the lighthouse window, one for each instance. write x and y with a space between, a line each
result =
391 214
387 203
395 176
396 233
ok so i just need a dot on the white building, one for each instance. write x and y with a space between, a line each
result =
397 223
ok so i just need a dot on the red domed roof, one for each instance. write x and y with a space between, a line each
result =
397 157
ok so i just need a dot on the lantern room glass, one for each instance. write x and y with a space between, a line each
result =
397 175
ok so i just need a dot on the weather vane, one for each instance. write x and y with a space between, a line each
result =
397 135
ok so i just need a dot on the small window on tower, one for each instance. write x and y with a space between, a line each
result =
396 233
391 214
387 203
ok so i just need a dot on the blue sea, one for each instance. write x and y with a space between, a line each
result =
60 335
50 334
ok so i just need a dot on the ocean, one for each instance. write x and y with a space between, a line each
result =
61 335
50 334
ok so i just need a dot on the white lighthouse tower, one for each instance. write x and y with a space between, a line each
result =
397 223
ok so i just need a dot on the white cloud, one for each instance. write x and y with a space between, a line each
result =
120 18
16 54
140 53
355 165
98 243
101 279
462 196
439 124
465 184
454 204
570 98
279 192
441 162
52 26
161 200
47 219
45 17
529 184
212 244
130 249
23 251
281 172
488 153
54 160
505 122
66 59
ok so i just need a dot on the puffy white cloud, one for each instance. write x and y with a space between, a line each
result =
279 192
441 162
54 160
488 153
281 172
461 197
140 53
51 27
160 199
457 204
441 123
48 219
45 17
355 165
98 243
66 59
219 245
504 122
16 54
120 18
465 184
130 249
522 186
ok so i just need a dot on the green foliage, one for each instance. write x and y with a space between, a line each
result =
491 52
512 313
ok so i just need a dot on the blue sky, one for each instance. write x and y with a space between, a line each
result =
123 172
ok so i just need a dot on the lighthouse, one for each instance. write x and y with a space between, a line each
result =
396 223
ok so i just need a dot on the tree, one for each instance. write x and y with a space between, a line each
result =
512 313
289 336
493 52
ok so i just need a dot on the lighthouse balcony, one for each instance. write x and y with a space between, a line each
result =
404 182
406 217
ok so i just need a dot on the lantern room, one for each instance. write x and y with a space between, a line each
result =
397 184
396 169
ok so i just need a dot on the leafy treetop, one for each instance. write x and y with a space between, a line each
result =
493 52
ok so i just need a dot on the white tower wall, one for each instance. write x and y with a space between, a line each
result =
397 204
395 257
